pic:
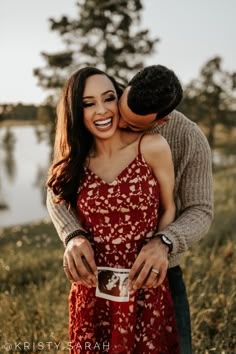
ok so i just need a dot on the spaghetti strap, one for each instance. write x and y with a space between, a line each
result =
139 143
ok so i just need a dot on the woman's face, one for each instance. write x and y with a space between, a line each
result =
100 107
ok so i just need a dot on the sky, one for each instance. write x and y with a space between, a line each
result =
190 31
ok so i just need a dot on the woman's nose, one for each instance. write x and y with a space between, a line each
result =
101 108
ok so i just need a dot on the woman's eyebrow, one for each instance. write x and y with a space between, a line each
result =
104 93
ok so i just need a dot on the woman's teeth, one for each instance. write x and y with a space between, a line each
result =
103 123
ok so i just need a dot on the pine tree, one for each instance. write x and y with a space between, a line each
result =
105 34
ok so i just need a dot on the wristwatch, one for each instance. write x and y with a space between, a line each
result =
166 241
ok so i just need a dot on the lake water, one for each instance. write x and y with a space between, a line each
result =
24 162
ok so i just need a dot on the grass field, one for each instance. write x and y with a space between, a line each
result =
34 290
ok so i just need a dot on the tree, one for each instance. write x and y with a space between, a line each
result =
211 98
18 111
105 34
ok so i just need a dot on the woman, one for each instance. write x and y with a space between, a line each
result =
116 180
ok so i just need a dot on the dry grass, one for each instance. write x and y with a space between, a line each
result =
210 279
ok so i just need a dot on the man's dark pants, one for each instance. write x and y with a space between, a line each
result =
181 306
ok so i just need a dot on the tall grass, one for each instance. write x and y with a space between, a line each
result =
34 289
210 273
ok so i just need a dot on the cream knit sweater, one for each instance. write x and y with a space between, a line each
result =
193 188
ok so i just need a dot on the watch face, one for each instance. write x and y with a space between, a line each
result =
166 240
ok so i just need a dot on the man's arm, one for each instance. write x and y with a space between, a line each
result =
195 194
65 220
78 260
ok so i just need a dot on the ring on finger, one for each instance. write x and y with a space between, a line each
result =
156 271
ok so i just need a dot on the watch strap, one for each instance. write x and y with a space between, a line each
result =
165 240
74 234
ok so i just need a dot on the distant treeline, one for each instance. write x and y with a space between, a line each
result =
43 113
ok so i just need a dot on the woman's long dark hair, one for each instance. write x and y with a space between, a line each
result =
72 141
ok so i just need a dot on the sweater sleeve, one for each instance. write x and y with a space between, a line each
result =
65 220
195 196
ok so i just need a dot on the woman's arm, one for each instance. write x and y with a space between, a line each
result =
156 153
158 156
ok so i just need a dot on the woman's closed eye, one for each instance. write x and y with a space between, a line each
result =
110 98
87 104
90 103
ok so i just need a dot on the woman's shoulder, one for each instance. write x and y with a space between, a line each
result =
155 149
153 144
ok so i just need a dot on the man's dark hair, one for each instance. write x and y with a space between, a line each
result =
155 89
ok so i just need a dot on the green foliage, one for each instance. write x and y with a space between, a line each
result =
211 98
44 113
105 34
18 111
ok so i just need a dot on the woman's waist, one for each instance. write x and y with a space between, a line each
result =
119 237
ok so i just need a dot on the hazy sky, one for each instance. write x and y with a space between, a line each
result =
190 32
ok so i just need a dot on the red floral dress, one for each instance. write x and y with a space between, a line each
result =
121 216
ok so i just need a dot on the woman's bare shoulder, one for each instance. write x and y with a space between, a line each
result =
154 144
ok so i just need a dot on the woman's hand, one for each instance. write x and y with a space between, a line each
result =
150 267
78 262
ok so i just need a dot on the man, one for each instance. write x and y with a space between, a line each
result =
147 104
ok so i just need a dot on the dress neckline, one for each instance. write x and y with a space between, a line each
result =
139 155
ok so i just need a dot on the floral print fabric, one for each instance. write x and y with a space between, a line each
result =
121 216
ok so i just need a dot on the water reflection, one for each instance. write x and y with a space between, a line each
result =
40 178
24 164
8 145
46 133
3 203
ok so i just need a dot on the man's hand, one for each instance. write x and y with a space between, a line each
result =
154 255
78 262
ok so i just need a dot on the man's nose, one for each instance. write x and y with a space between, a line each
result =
122 123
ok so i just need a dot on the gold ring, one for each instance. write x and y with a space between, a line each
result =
65 266
156 271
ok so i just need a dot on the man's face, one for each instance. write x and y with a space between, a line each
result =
133 121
